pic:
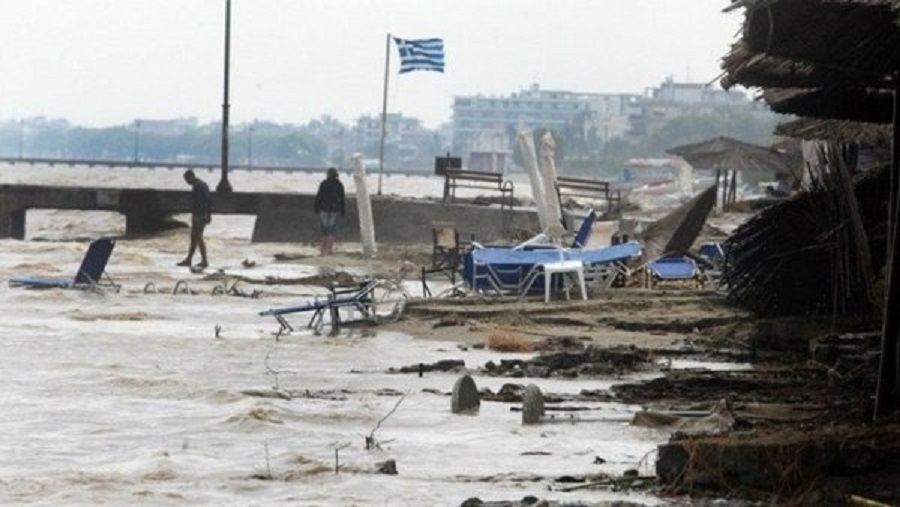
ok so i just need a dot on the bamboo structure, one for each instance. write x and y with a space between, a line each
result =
836 61
815 253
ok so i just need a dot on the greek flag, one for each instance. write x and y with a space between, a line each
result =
420 54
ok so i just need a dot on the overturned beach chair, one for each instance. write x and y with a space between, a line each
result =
90 275
673 269
358 298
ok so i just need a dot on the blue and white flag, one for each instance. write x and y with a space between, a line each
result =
420 54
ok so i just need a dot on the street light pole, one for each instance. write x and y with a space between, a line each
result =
224 185
250 145
137 138
21 136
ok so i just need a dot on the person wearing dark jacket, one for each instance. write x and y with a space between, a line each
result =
329 204
201 214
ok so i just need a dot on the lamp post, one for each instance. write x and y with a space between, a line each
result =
137 139
224 185
21 136
250 144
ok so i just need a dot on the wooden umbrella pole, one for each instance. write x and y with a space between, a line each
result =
887 393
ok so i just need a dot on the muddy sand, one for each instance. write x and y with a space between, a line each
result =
795 427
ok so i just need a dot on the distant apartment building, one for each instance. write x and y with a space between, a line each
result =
694 93
490 123
483 124
609 115
405 138
671 99
398 129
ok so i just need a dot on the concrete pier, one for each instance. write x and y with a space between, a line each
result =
280 217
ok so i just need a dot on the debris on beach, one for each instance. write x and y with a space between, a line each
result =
465 398
443 365
591 361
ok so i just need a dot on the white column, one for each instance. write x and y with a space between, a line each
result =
548 176
526 146
364 206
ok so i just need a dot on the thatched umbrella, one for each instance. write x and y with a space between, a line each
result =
836 60
731 154
841 131
677 231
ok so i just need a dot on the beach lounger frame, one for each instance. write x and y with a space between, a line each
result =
604 276
358 298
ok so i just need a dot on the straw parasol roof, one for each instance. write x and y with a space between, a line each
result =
732 154
843 131
822 58
842 103
853 40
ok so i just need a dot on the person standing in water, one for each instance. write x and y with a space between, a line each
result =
200 218
329 204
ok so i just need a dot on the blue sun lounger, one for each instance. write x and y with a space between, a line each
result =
673 269
517 271
358 298
91 274
712 251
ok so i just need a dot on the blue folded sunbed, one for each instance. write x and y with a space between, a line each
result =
673 269
91 273
712 251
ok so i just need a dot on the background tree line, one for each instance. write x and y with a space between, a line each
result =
327 141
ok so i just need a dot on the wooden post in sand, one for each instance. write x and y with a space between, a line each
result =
526 145
364 206
887 392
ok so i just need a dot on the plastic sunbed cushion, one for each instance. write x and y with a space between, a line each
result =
505 256
673 268
41 282
507 266
712 250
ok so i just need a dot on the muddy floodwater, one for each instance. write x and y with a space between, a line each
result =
133 398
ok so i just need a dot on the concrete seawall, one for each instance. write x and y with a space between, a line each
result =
399 221
279 217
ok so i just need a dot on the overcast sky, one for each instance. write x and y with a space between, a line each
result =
109 62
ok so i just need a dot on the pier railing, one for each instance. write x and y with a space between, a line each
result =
178 165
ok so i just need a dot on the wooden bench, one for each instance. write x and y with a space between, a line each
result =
592 189
463 178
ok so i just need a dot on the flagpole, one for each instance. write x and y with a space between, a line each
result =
387 66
